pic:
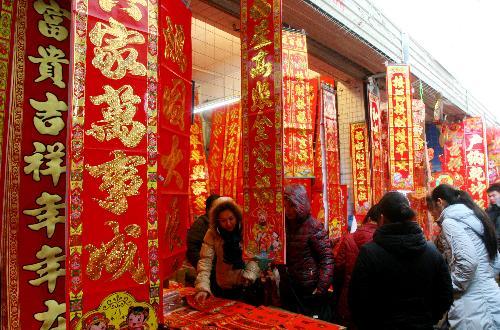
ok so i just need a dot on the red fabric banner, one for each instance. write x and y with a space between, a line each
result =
377 149
400 128
231 152
493 143
297 114
199 187
216 149
32 253
264 230
453 158
360 168
476 169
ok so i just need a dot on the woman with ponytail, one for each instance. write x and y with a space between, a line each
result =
470 247
399 281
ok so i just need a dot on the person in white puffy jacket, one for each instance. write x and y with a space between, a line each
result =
470 245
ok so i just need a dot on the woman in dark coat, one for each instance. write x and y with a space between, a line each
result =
399 281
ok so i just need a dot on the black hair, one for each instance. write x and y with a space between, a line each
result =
210 200
494 187
396 208
455 196
373 214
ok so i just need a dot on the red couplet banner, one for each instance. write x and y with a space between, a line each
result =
262 129
377 148
35 167
360 168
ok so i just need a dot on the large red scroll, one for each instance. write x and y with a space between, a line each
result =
297 115
493 143
400 128
198 178
229 180
453 158
377 148
216 149
33 217
264 230
476 166
360 168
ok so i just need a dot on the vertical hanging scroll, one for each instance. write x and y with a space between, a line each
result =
476 163
297 115
360 168
493 143
262 129
116 168
377 148
400 128
216 149
453 158
34 218
199 188
231 151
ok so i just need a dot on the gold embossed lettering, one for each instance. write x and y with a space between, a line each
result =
51 61
48 119
48 269
47 215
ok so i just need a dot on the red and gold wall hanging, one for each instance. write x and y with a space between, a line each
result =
198 178
35 169
229 179
377 148
360 168
453 157
216 149
297 115
476 162
262 129
493 143
400 128
128 158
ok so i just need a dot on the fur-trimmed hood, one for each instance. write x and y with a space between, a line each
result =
223 203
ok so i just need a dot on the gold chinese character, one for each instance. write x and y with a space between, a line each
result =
119 179
174 44
260 124
262 181
198 172
359 136
300 104
401 166
259 38
54 310
400 122
198 187
475 157
54 155
111 56
172 224
261 95
51 61
260 9
262 67
118 117
117 256
48 119
400 136
398 81
360 157
195 154
48 215
362 197
401 148
399 107
174 103
261 152
169 163
477 174
48 270
133 10
361 176
359 146
53 16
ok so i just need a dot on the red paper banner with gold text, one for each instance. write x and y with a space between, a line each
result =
262 129
400 128
216 149
35 169
229 180
198 178
493 143
360 168
476 166
297 115
377 148
453 158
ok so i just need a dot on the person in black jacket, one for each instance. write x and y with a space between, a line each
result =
494 209
400 281
197 232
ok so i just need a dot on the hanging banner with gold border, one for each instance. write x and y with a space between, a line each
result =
377 148
493 144
199 188
453 158
35 168
476 169
264 230
360 168
297 115
400 128
216 149
230 156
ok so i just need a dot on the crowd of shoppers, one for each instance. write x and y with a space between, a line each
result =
386 275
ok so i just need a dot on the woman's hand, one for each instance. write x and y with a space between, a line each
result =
200 297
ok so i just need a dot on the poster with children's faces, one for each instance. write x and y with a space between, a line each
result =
120 311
